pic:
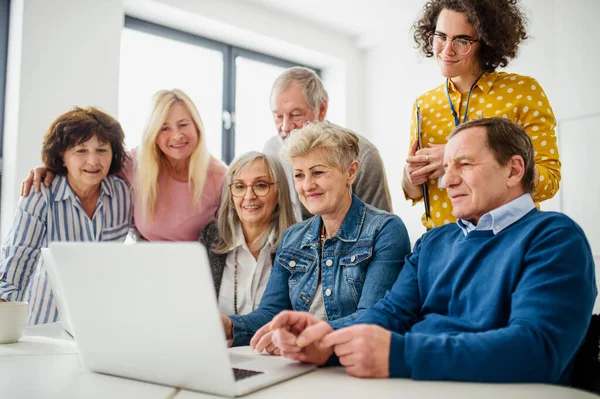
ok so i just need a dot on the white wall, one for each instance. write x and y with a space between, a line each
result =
61 54
395 74
66 52
577 106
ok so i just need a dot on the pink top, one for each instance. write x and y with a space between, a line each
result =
176 218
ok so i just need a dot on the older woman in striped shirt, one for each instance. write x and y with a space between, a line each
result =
85 202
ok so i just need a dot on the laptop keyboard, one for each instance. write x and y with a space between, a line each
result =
240 374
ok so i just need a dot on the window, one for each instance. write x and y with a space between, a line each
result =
254 78
229 85
150 63
4 17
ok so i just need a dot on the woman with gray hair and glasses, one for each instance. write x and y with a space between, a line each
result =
255 210
340 261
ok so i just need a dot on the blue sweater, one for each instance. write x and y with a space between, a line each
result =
511 307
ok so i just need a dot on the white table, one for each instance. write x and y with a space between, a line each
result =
45 364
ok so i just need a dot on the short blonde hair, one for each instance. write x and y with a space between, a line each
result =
150 158
312 86
227 217
341 145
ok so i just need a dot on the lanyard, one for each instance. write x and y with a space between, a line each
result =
456 121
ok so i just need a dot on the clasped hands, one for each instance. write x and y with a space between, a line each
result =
362 349
424 164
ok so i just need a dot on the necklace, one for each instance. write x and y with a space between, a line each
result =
235 281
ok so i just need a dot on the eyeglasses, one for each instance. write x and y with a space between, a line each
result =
460 45
260 189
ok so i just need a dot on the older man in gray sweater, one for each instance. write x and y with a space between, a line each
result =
298 97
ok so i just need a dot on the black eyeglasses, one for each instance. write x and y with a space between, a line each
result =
260 189
461 45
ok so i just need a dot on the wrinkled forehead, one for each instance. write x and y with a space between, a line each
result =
469 142
290 95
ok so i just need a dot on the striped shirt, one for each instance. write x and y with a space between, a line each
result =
56 214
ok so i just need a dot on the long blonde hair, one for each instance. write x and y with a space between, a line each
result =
227 217
150 158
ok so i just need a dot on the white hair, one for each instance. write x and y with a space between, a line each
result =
312 86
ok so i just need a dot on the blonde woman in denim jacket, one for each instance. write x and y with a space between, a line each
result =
337 263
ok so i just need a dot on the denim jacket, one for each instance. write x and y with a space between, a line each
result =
360 263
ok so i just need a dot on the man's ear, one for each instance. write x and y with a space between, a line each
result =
323 109
352 171
516 171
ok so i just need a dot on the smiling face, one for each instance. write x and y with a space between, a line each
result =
178 136
322 187
252 209
452 65
88 163
291 110
476 183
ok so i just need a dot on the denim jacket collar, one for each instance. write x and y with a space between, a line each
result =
349 230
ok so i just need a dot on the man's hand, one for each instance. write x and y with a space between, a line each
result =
363 349
228 327
297 335
262 340
35 177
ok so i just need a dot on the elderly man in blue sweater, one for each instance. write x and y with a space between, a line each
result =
503 295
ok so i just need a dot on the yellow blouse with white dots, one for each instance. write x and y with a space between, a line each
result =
518 98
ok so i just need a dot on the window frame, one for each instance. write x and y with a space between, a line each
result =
4 21
230 53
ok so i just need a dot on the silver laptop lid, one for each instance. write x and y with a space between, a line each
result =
146 311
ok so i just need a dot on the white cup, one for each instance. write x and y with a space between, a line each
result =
13 320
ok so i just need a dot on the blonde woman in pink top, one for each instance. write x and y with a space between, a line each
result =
176 182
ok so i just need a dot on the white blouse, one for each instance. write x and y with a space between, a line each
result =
253 276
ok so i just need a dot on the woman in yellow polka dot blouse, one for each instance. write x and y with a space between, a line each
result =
469 41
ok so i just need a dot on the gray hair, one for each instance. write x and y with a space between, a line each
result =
227 217
311 84
341 145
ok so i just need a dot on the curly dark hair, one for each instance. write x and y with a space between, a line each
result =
500 26
76 127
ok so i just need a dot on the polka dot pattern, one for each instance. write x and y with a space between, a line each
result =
518 98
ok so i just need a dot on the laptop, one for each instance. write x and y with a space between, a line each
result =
149 312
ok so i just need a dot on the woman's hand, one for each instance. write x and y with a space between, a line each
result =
427 163
414 164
